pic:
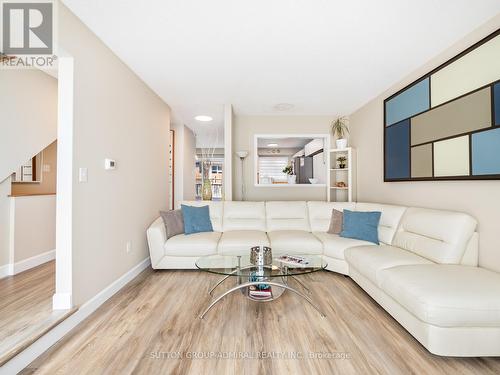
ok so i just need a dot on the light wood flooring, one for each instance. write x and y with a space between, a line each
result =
26 309
152 327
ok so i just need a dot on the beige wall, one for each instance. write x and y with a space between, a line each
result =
5 190
244 129
478 198
47 185
34 225
115 116
28 109
189 176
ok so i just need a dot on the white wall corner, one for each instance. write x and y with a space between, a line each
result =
5 270
64 203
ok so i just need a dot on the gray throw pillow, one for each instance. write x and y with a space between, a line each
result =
174 222
336 222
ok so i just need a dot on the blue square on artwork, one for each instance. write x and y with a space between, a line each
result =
413 100
397 151
486 152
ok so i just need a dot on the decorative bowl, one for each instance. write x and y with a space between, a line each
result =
313 180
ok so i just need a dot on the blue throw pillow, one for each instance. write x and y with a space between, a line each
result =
361 225
196 219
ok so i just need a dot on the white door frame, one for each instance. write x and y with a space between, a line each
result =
62 298
228 153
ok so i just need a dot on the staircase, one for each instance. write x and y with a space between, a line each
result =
28 122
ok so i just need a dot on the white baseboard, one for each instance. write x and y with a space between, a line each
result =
35 261
5 270
24 265
23 359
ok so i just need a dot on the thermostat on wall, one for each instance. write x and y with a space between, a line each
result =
109 164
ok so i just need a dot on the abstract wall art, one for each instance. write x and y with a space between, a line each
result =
446 125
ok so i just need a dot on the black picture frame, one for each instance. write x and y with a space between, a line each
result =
428 75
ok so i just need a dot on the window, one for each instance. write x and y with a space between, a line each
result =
271 167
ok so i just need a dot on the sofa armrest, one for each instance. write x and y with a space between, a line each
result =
157 237
471 254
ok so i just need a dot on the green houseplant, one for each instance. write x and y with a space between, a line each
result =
341 160
340 129
291 178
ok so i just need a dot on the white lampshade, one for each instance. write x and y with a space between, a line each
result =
242 154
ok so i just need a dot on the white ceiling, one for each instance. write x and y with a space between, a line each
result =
326 57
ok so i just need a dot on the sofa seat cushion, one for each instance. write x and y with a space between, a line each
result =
446 295
294 242
239 242
371 260
196 244
334 246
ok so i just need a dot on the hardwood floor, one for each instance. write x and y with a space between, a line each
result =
26 309
152 327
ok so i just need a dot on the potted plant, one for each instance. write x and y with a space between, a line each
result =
291 178
340 130
341 160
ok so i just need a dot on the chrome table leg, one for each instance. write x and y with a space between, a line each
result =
221 281
301 284
272 283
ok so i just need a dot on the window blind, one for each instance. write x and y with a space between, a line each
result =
272 167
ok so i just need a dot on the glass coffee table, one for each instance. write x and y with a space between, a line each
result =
259 283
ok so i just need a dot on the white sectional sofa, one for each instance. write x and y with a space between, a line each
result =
424 272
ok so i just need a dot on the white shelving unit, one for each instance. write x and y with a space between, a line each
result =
346 175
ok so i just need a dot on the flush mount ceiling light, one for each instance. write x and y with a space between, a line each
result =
203 118
283 107
272 145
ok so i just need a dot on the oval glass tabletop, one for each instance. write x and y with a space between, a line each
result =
234 265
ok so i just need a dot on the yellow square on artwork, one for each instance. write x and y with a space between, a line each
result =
451 157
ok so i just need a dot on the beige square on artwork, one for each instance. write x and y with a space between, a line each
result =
451 157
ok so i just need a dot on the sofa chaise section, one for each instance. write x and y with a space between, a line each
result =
428 281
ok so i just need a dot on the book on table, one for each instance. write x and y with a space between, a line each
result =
294 260
258 293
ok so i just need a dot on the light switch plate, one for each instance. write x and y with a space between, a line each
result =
109 164
83 175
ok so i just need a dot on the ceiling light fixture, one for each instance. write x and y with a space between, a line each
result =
283 107
272 145
203 118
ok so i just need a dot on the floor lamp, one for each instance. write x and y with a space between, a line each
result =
242 155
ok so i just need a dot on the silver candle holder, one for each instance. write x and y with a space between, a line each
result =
261 256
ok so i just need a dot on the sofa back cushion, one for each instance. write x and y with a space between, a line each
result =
441 236
320 213
244 216
287 216
215 210
389 220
